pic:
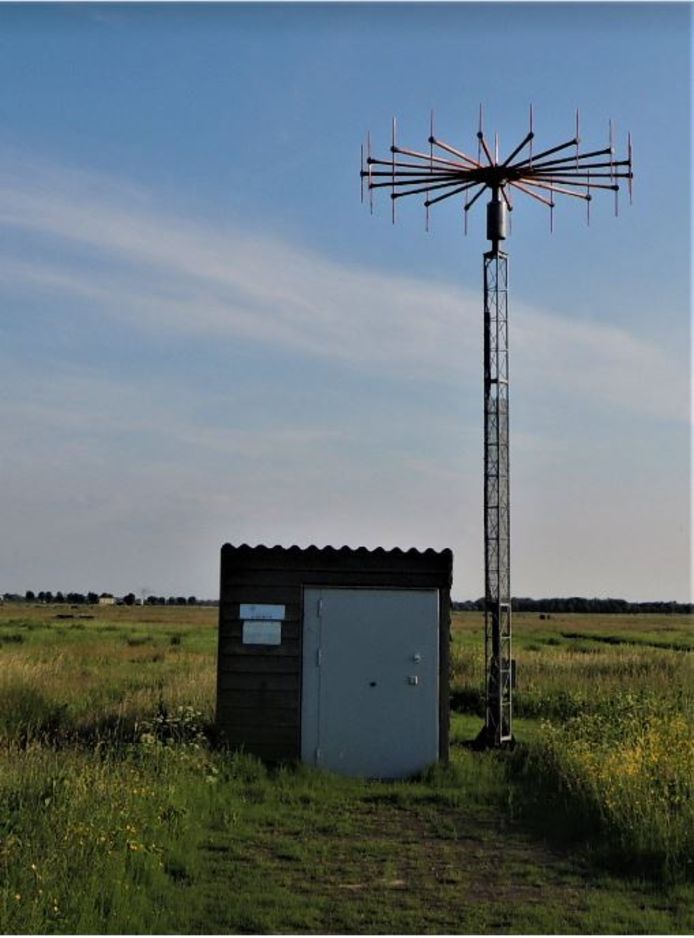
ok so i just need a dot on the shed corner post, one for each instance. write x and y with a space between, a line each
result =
224 560
445 660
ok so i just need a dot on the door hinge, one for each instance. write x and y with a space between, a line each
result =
319 608
317 756
319 657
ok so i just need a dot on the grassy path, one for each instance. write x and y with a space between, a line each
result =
400 860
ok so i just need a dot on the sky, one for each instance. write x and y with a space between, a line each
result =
205 336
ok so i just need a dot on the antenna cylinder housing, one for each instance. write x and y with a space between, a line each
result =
496 219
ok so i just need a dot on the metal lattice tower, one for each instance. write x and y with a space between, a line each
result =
541 177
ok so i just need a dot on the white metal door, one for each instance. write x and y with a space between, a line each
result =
370 692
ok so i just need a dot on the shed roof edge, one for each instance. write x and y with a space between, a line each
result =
345 550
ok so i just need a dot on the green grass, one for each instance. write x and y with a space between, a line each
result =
117 816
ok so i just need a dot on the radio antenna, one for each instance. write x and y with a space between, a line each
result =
563 170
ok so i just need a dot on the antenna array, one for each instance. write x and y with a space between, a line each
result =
446 171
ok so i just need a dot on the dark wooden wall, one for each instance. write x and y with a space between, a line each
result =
259 686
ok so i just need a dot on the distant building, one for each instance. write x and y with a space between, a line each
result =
106 600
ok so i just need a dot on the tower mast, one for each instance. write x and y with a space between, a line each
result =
497 501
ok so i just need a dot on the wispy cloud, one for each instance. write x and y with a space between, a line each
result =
109 472
107 243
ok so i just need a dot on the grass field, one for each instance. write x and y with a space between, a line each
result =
116 815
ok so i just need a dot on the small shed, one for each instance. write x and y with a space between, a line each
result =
337 657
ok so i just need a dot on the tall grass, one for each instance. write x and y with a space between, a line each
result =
624 770
97 687
94 806
98 841
560 678
560 683
615 751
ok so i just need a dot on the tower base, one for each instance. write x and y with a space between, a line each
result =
488 739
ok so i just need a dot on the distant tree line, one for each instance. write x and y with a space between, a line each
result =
172 601
519 603
581 604
79 599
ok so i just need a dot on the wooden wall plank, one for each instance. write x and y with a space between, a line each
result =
241 718
266 582
259 699
244 592
264 735
255 681
257 664
271 753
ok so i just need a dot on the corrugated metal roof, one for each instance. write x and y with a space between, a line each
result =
345 549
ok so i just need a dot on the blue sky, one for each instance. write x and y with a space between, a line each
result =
204 336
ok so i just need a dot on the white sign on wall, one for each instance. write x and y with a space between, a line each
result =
260 611
262 632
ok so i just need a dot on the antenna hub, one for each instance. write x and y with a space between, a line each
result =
496 219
